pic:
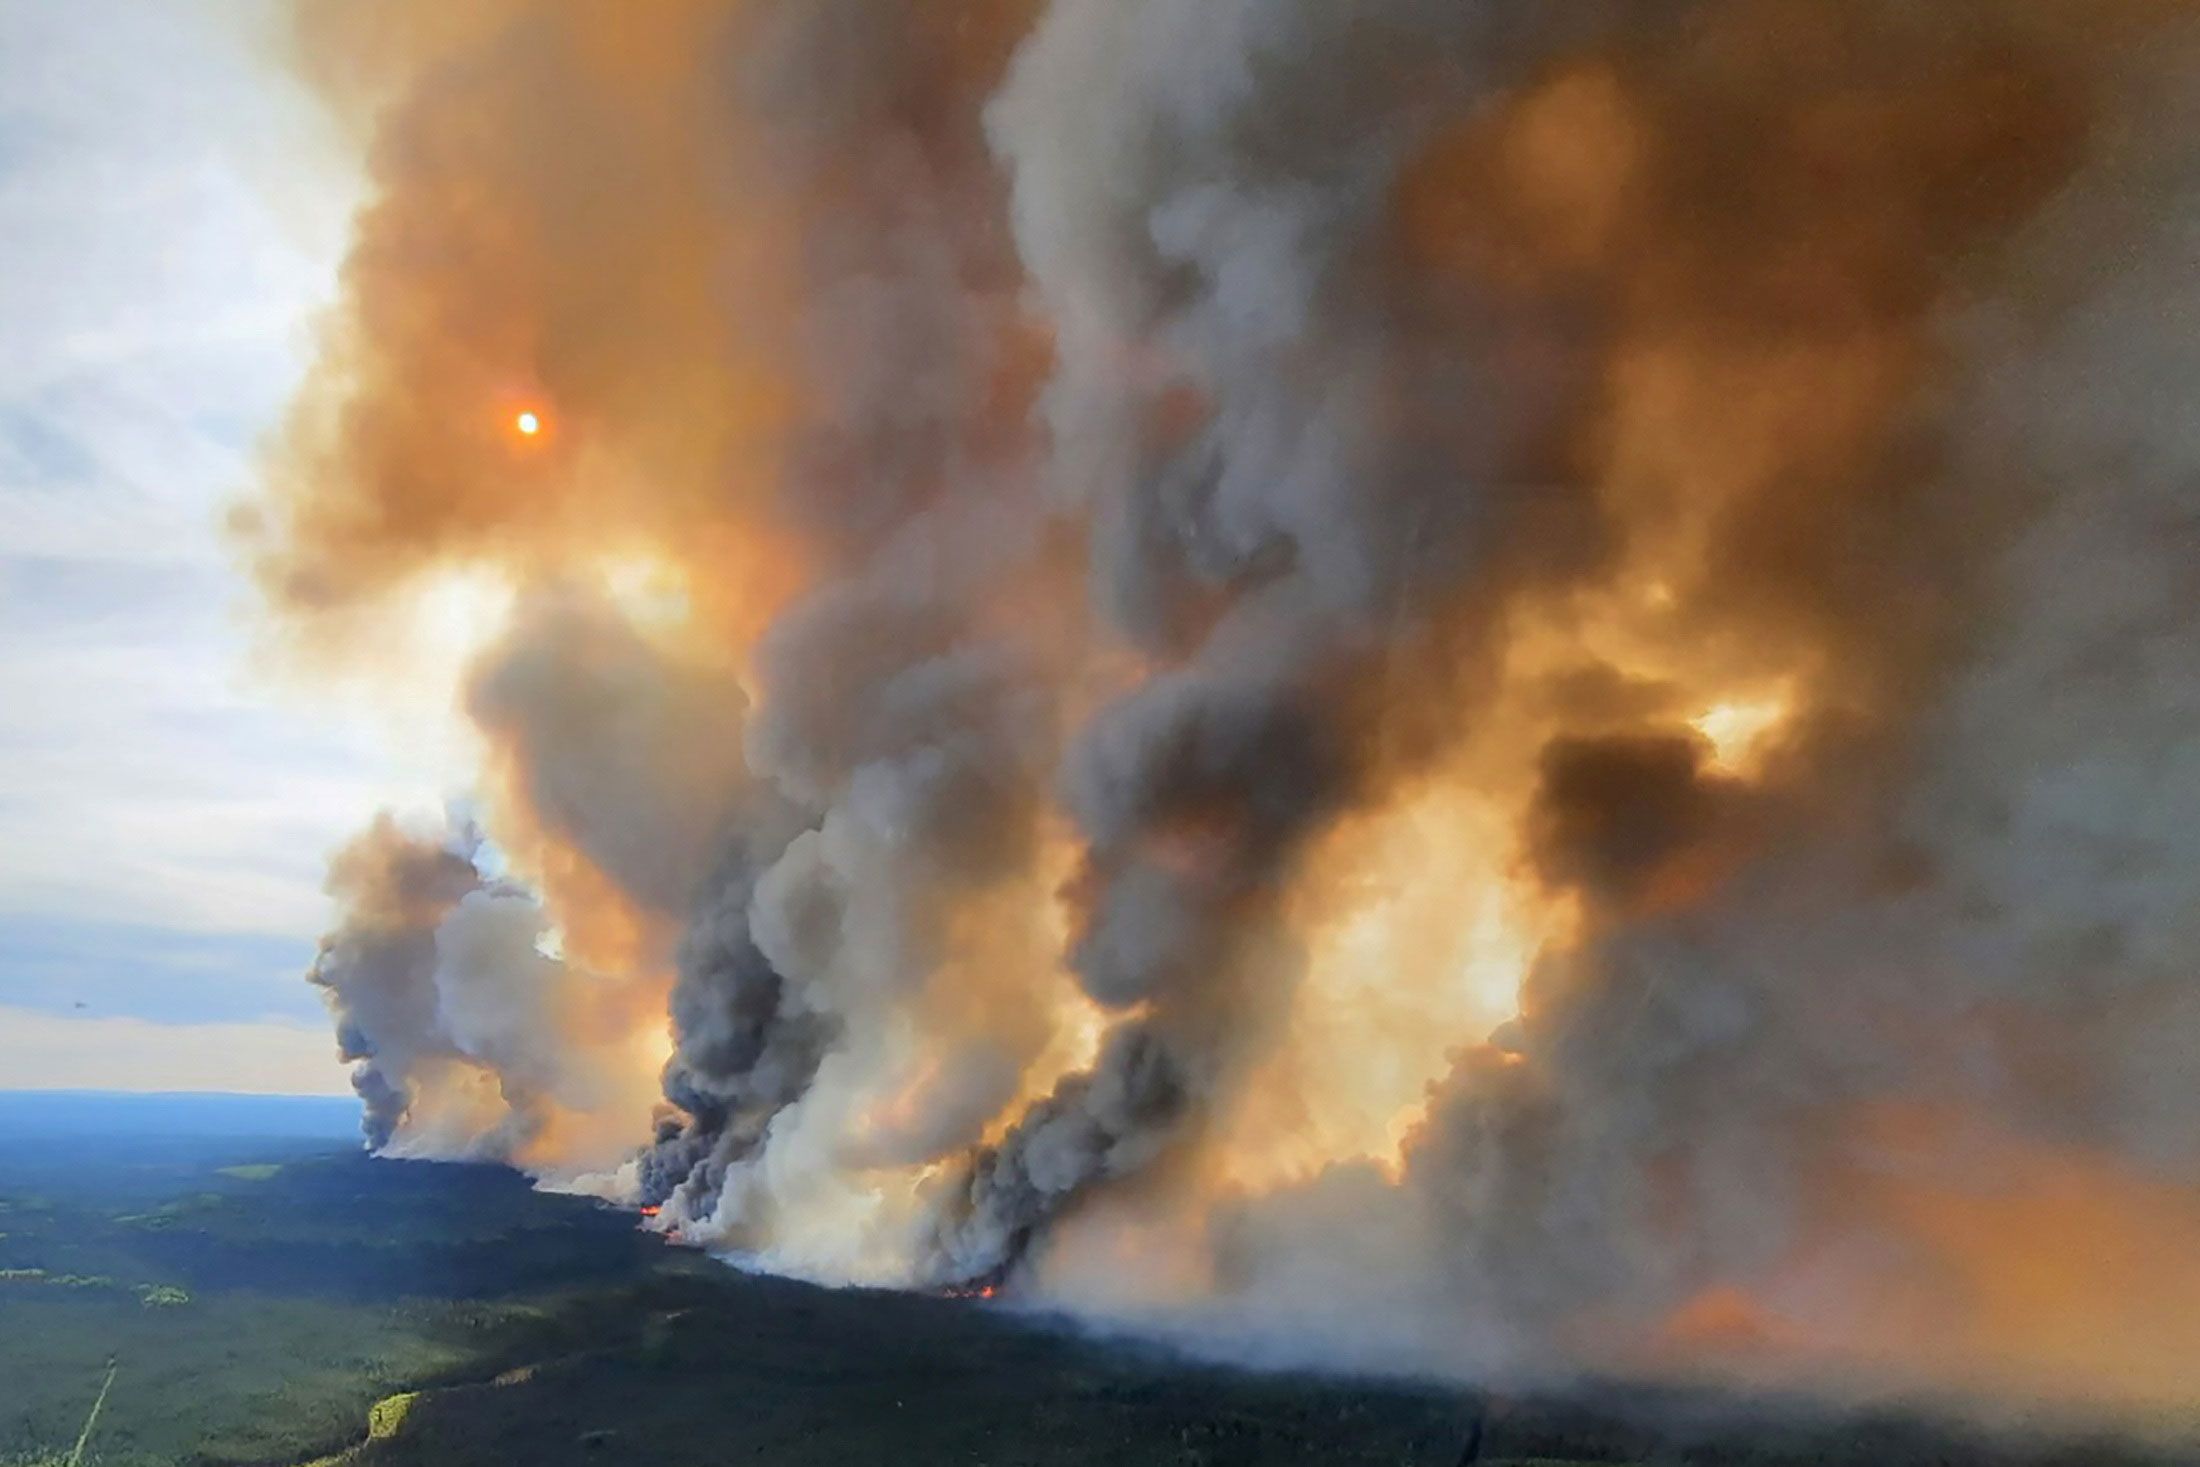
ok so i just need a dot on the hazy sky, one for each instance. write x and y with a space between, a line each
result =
171 213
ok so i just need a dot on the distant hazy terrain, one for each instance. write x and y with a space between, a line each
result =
272 1295
29 1117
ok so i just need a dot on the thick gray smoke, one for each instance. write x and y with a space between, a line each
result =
1119 462
629 754
902 747
377 968
1294 496
471 1037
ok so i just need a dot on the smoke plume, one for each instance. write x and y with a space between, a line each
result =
1481 687
469 1037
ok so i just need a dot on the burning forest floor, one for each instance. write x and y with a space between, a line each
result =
278 1301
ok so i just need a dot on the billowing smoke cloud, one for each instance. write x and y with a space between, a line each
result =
377 968
1488 687
470 1037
